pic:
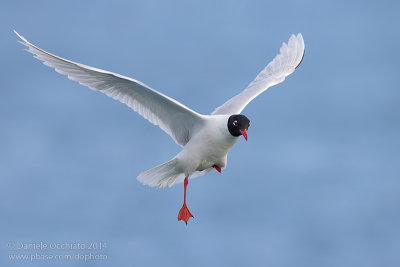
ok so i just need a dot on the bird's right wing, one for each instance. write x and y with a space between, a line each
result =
171 116
275 72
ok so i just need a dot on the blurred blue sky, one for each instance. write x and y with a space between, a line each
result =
316 185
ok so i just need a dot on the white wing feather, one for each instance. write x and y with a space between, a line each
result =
282 65
171 116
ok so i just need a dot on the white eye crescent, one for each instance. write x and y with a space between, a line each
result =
235 123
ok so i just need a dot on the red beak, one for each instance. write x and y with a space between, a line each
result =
244 133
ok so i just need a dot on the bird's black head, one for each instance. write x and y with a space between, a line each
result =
238 125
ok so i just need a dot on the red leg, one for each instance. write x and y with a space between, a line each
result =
184 213
218 168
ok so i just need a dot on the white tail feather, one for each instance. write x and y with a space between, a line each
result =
162 176
166 175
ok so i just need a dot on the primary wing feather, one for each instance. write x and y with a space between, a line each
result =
282 65
171 116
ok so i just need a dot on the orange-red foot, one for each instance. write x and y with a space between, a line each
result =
184 214
218 168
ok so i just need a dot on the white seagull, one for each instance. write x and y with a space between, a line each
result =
206 139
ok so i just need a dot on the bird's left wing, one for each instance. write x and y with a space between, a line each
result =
171 116
275 72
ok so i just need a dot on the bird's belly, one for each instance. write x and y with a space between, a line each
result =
198 156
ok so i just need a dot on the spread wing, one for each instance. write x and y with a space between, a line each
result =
171 116
275 72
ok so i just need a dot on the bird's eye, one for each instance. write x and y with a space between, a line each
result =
235 123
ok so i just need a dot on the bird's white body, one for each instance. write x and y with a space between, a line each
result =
208 147
205 139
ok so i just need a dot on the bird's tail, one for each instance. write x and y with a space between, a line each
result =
162 176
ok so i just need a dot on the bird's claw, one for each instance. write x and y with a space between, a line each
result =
184 214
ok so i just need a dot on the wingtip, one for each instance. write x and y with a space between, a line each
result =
301 60
298 37
21 37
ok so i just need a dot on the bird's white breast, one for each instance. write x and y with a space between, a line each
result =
209 146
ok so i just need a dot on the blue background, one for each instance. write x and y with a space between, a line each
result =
317 184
